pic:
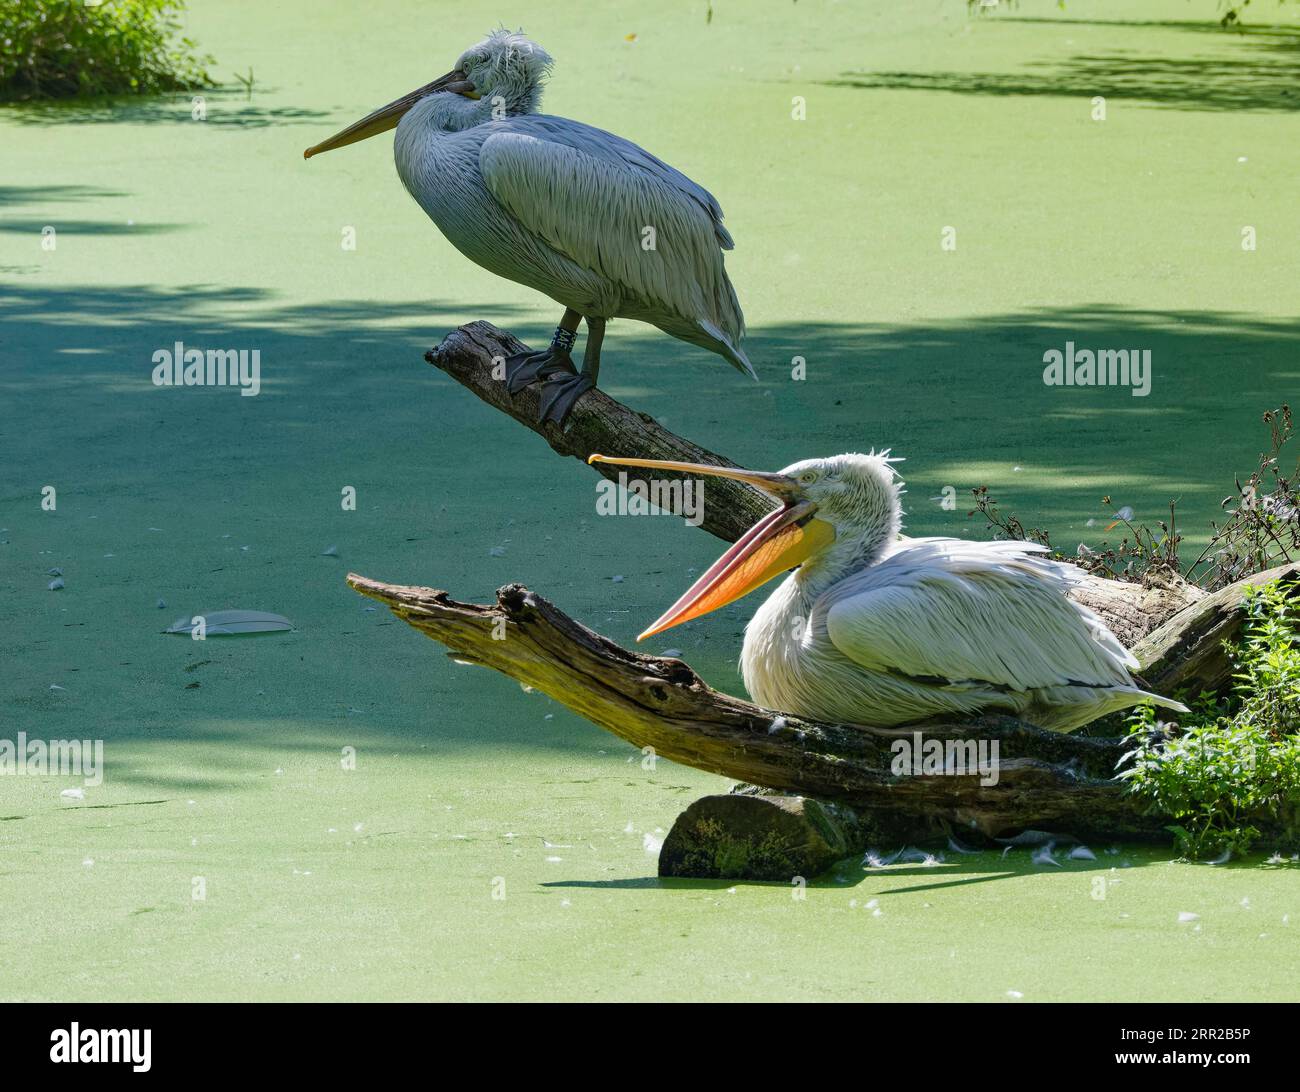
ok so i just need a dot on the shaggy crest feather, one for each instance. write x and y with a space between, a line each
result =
509 64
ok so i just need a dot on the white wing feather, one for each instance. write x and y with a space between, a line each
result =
963 611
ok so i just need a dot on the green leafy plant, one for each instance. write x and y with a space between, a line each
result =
1233 761
60 48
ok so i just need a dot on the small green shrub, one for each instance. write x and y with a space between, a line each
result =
1233 761
59 48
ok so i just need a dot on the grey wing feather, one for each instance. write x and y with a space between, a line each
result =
617 149
590 196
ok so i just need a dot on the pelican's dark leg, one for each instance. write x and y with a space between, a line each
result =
562 388
525 368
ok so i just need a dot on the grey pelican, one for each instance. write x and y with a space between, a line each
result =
586 217
882 631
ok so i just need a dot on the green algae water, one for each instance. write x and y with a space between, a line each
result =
341 812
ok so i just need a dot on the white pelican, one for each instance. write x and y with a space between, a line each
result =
590 219
881 631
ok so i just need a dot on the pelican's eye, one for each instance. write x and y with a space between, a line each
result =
807 477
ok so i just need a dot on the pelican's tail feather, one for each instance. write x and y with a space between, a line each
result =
1065 708
725 347
1166 703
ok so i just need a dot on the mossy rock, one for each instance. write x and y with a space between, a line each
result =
736 836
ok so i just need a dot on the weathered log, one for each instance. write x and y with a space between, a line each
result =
1132 610
842 791
1045 780
1187 652
474 356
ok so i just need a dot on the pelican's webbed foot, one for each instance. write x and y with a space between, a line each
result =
560 391
525 368
562 385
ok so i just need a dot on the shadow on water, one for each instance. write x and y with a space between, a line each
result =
849 874
963 399
955 396
85 227
1255 69
348 397
223 108
28 195
1264 35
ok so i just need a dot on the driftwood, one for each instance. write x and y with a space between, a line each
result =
659 702
828 789
474 355
1187 652
1046 780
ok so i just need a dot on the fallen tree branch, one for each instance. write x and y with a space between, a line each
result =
1187 652
474 356
1045 779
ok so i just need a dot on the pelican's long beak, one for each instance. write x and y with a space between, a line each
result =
779 541
387 117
